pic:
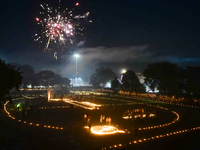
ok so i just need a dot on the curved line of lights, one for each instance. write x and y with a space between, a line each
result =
119 145
152 138
30 123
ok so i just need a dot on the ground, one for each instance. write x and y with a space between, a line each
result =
22 135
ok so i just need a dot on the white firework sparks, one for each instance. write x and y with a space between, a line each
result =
58 27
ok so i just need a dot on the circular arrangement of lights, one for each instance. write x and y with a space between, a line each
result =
30 123
103 130
151 127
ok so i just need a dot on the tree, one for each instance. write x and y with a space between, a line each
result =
10 78
131 83
115 85
66 82
61 84
192 81
165 76
27 73
46 77
101 75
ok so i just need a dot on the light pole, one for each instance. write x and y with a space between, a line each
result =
123 71
76 55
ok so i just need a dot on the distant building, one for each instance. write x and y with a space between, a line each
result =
77 82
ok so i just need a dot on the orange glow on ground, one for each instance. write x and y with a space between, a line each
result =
102 130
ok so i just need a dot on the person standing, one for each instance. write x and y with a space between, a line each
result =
109 120
89 125
101 119
106 120
85 117
88 119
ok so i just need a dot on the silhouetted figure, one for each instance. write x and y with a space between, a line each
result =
85 117
136 131
89 125
88 119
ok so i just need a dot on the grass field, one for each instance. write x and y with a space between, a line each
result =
75 136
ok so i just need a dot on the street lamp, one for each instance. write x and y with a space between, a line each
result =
76 55
124 71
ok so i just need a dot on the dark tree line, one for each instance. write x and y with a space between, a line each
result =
15 75
173 80
167 77
130 82
44 78
101 76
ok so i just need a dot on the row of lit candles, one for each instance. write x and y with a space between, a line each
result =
87 105
158 126
178 104
157 101
152 138
182 105
162 125
122 101
54 107
144 128
25 122
152 127
93 105
118 144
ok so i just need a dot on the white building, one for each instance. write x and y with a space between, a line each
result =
77 82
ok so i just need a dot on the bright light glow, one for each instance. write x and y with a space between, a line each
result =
49 94
102 130
18 105
86 105
152 115
76 55
127 117
124 71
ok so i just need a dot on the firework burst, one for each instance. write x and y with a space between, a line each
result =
59 27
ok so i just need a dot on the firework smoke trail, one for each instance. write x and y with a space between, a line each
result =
58 27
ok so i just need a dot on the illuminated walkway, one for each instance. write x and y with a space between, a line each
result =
85 105
92 106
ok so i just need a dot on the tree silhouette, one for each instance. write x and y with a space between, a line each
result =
131 83
27 73
48 77
101 75
165 76
10 78
115 85
192 81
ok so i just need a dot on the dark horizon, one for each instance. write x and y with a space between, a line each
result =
122 34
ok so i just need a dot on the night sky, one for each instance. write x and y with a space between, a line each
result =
124 34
